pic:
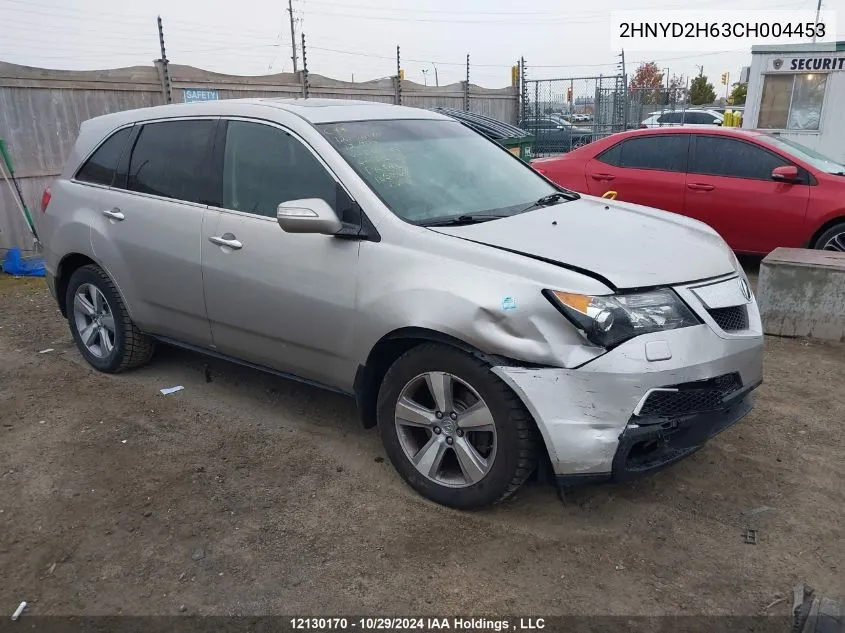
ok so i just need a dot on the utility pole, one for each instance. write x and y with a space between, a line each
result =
168 89
306 82
466 88
292 35
818 10
398 77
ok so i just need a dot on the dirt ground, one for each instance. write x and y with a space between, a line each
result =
253 495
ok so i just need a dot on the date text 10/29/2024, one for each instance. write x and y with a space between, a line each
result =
476 624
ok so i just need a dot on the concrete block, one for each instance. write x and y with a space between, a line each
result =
801 292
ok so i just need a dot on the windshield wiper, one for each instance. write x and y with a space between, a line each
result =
474 218
554 198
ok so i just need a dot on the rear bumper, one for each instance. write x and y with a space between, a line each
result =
587 417
51 284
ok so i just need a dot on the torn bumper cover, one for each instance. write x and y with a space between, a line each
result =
622 414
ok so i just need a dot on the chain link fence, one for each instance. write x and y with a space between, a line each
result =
563 114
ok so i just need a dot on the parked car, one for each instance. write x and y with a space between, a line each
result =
671 118
554 134
515 139
483 318
758 190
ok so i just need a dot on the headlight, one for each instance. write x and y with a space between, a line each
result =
609 320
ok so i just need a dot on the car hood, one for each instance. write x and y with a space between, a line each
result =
628 245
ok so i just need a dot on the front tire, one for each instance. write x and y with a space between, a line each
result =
105 335
455 432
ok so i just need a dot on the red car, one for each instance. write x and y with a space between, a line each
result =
758 190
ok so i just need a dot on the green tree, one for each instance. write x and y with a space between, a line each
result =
701 91
738 94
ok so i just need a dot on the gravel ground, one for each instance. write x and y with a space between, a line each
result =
253 495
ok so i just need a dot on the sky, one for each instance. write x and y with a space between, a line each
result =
356 40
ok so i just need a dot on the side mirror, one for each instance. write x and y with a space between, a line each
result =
310 215
786 173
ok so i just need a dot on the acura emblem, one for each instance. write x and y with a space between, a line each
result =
777 63
746 291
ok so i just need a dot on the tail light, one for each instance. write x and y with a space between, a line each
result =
540 171
643 126
45 199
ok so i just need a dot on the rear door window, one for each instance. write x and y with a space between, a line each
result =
700 118
171 159
670 117
100 167
722 156
663 153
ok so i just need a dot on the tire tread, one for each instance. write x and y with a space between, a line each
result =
138 347
517 416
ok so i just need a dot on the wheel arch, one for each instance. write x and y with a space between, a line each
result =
839 218
69 264
391 346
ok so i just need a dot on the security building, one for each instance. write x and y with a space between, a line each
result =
798 91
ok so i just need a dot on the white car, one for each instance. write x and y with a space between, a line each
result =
671 118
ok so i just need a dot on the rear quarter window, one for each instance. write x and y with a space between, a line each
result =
100 167
611 156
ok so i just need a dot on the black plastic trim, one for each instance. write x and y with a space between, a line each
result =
215 354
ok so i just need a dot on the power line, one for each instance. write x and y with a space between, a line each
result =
577 13
559 19
133 22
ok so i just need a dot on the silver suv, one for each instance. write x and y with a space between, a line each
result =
486 320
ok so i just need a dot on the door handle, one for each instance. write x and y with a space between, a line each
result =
229 242
602 176
114 214
697 186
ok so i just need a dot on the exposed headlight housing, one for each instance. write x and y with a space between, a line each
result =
608 320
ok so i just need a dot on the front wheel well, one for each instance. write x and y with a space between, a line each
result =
368 378
824 227
69 265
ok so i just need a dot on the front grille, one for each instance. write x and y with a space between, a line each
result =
690 397
730 319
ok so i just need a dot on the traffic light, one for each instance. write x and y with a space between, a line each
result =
569 94
725 79
401 74
514 75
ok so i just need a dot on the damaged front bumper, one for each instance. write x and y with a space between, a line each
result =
623 414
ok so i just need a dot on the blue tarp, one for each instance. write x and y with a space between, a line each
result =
14 264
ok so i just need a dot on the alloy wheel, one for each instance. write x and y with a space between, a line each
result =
835 243
446 429
93 320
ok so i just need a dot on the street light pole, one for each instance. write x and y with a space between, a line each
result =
425 75
436 80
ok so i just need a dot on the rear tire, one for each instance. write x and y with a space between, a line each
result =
105 335
486 450
832 239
